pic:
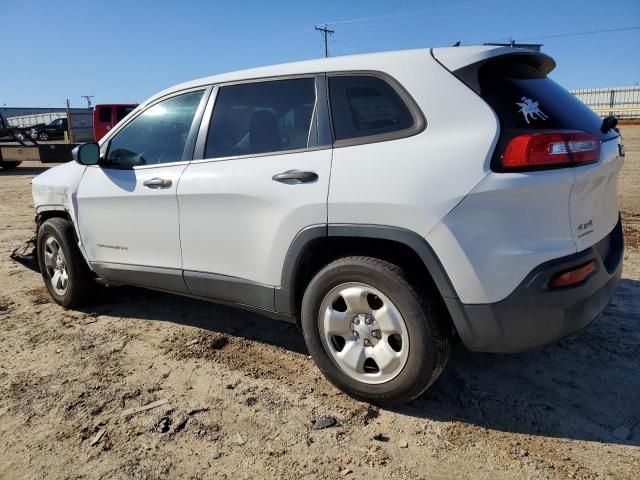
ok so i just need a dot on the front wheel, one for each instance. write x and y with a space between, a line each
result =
65 273
44 136
371 333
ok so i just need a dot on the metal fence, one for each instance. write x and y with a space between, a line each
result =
623 102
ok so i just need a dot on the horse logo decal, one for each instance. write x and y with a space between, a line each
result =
531 110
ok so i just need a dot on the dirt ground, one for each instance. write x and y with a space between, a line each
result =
239 395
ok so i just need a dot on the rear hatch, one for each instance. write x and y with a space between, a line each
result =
557 130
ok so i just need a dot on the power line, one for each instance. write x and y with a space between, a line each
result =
575 34
325 33
444 9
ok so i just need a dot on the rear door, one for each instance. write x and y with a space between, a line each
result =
127 205
262 177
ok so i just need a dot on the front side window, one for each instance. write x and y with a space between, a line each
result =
261 117
364 105
158 135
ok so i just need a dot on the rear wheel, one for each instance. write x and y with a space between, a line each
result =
63 268
371 333
43 136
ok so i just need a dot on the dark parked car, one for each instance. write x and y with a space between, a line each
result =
50 131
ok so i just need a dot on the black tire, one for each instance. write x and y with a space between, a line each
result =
81 282
8 165
430 337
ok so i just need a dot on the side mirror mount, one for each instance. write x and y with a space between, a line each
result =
86 154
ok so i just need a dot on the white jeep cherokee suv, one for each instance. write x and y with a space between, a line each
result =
387 202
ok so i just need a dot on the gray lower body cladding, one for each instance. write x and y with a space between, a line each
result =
535 315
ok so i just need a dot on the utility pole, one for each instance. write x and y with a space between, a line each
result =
69 134
88 97
325 33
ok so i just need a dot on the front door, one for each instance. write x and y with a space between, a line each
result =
263 178
127 205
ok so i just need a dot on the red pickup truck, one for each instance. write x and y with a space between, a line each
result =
106 116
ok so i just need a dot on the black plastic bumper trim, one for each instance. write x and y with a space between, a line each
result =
534 314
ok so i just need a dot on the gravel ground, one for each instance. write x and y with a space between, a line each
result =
237 395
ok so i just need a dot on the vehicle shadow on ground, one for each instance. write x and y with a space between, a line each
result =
144 304
21 171
583 388
586 387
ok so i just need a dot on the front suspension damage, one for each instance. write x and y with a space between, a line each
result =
25 257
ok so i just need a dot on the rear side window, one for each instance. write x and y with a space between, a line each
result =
104 115
158 135
261 117
364 105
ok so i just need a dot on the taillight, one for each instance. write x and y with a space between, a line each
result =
539 150
573 276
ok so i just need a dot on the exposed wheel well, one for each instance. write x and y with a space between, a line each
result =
321 251
47 214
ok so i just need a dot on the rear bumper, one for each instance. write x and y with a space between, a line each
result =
534 315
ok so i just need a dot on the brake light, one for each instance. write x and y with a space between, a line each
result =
535 150
574 276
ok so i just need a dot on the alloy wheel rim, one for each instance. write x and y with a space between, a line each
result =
363 332
56 266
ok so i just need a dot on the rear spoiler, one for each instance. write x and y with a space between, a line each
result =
466 62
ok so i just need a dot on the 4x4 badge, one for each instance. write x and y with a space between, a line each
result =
530 109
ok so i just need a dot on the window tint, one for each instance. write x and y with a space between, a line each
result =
261 117
104 115
559 109
366 105
158 135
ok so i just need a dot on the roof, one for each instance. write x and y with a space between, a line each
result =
456 56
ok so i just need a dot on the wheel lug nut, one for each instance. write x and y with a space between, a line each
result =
367 342
376 334
368 320
356 321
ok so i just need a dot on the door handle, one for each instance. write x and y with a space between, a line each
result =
297 175
157 182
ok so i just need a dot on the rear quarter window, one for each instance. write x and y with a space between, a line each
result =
366 106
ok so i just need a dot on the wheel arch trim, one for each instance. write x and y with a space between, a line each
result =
285 300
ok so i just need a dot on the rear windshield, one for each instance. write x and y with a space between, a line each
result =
524 100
